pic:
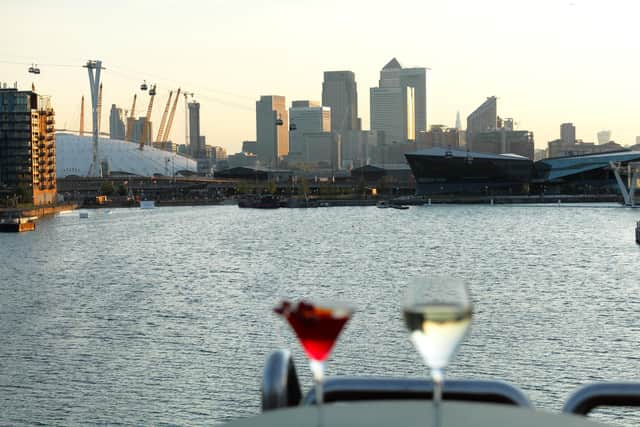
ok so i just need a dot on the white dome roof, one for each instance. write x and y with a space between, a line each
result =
74 155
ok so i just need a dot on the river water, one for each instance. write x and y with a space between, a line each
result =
165 316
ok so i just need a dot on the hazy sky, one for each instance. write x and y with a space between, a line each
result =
548 61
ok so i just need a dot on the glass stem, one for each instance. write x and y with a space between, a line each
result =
437 375
317 369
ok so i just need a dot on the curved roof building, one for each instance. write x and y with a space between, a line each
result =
74 155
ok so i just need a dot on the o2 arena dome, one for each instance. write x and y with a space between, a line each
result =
74 155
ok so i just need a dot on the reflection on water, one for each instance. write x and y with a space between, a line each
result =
164 316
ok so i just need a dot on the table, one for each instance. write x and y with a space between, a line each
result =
413 413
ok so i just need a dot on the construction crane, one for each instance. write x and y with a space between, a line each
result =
130 120
82 116
165 137
145 132
99 107
164 120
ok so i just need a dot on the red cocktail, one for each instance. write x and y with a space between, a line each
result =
317 327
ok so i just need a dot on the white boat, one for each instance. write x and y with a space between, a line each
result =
147 204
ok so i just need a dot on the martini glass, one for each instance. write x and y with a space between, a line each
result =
437 312
317 328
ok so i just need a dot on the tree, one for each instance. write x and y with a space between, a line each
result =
107 188
272 188
122 190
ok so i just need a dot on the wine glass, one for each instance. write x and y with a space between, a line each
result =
437 312
317 328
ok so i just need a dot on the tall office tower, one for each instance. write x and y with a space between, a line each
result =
306 117
272 129
394 75
27 146
340 93
398 105
136 132
568 133
194 129
392 112
604 136
116 123
483 119
458 122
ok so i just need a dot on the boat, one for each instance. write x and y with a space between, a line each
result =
398 206
147 204
16 225
84 215
382 204
638 232
383 401
260 202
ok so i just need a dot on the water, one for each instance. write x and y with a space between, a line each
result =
164 316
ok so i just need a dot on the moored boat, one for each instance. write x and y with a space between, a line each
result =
638 232
16 225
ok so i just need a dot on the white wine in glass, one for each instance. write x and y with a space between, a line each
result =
437 312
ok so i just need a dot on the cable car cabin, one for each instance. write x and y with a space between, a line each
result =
152 91
143 86
34 69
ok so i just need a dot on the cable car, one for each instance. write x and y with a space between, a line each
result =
143 86
34 69
152 91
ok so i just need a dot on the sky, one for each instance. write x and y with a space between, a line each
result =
547 61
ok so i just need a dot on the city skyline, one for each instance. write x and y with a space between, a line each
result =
542 77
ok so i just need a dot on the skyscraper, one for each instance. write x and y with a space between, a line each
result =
306 117
394 75
483 119
568 133
604 136
340 93
398 105
116 123
392 111
272 129
194 129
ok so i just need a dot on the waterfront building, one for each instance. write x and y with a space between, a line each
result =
440 136
559 148
321 149
448 171
27 146
272 129
242 159
482 119
249 147
604 136
306 117
504 140
116 123
196 145
340 94
568 133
